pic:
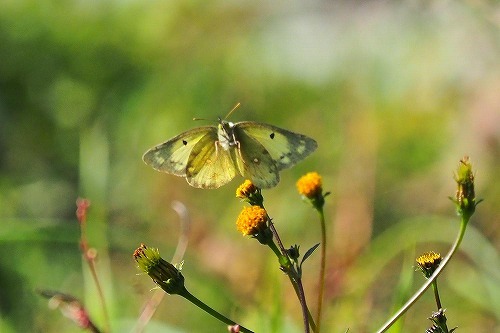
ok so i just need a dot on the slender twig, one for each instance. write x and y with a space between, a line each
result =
91 263
89 256
321 282
436 294
295 279
277 236
190 297
305 311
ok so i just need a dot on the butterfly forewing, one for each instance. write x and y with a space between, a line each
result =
172 156
209 165
254 161
285 147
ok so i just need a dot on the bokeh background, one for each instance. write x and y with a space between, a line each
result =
394 92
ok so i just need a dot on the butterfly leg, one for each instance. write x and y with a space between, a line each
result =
238 151
216 143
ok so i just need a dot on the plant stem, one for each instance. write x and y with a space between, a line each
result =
89 259
302 299
190 297
91 264
294 277
436 294
321 282
277 236
430 281
295 285
439 306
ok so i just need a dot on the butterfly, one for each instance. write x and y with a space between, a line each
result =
211 156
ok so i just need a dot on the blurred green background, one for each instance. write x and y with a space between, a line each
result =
395 93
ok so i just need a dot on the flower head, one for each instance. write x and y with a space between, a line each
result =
250 193
465 197
439 323
163 273
252 220
246 189
310 186
429 262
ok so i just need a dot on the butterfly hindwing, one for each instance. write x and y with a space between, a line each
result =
285 147
254 161
172 156
209 165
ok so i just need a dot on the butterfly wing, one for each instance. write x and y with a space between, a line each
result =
209 165
262 150
254 161
286 148
173 155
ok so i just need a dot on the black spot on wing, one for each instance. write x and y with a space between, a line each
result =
184 142
271 135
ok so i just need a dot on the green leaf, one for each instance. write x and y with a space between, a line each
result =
308 253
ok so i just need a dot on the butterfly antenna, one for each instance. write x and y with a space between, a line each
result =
199 119
232 110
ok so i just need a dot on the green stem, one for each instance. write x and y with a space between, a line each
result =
436 294
305 310
322 270
439 306
276 235
433 277
277 252
187 295
296 283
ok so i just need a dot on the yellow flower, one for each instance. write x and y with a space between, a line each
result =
245 189
429 262
251 220
310 185
250 193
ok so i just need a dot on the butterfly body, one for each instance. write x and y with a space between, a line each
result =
211 156
225 134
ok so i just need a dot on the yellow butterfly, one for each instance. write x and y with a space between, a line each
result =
211 156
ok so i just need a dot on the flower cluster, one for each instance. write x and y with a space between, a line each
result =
250 193
252 220
310 185
429 262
